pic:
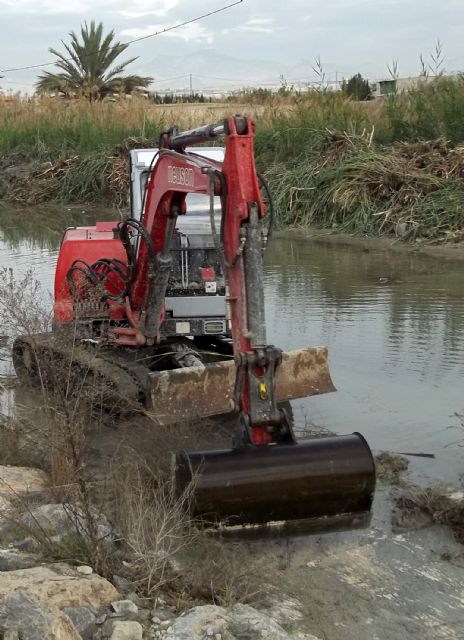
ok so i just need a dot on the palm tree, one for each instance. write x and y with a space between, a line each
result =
85 69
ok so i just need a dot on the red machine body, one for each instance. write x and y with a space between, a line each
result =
175 174
91 243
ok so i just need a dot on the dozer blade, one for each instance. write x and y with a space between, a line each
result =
330 480
194 392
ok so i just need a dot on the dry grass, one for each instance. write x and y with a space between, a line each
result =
436 505
412 190
169 551
50 125
154 542
153 521
65 407
390 466
330 161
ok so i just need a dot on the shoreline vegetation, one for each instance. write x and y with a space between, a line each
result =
392 167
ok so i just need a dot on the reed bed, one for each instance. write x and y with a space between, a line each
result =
388 166
380 192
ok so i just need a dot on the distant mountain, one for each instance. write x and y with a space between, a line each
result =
211 69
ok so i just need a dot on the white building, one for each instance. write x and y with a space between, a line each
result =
382 88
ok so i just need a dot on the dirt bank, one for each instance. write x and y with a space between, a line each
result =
448 251
400 577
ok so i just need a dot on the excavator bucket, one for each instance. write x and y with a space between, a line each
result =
328 482
322 484
193 393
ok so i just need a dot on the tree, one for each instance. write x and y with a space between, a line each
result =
357 88
86 67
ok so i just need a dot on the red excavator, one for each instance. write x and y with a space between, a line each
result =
173 316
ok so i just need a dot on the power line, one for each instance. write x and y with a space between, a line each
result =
274 81
150 35
186 75
217 78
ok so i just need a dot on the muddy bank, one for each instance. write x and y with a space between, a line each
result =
101 175
397 578
410 190
390 581
453 251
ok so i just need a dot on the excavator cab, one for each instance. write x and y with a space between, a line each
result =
195 295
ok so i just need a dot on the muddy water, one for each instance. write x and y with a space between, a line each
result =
393 322
394 325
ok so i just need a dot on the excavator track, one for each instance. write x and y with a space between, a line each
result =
75 370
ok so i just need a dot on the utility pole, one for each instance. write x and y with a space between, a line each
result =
191 85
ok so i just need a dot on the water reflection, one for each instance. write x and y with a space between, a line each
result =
30 236
42 227
393 322
394 325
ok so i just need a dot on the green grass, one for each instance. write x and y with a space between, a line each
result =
330 161
49 129
378 192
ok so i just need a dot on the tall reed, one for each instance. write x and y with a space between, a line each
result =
330 160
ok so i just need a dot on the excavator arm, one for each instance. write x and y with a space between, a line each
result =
240 246
267 475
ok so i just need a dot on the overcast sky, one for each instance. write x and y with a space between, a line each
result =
281 36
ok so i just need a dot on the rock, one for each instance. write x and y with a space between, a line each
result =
5 506
401 229
193 625
143 615
22 480
123 585
162 613
107 628
283 608
135 599
10 560
11 634
83 619
34 621
240 622
61 519
122 607
84 570
126 631
26 544
247 620
59 586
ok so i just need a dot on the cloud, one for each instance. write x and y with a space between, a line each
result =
49 7
142 8
257 25
277 37
193 32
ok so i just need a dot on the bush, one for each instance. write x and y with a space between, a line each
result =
357 88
